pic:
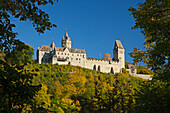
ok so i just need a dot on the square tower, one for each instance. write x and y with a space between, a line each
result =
119 53
66 41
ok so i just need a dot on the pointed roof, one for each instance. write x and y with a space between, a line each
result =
119 44
52 44
63 38
66 37
66 34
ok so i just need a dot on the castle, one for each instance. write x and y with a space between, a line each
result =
77 57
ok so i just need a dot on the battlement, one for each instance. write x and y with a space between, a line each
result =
103 61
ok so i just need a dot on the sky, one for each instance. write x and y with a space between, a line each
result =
93 25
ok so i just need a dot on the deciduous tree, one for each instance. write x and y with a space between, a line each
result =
23 10
152 18
16 90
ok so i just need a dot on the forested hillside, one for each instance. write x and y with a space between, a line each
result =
67 88
26 86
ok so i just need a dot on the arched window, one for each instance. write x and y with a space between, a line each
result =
98 68
111 71
94 67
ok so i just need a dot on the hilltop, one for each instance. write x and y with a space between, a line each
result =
67 88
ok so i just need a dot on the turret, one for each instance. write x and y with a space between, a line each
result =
52 45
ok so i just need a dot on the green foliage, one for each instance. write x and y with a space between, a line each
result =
23 10
42 99
153 97
152 18
75 89
21 54
144 70
16 89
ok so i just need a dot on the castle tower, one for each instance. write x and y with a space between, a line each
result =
119 53
66 41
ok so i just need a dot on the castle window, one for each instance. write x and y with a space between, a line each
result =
77 54
79 59
65 54
83 56
76 58
58 53
72 54
68 53
61 53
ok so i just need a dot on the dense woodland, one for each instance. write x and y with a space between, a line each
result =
26 86
67 88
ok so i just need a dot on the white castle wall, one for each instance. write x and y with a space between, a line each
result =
103 66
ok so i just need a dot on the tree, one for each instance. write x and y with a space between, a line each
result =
16 89
153 97
21 54
152 18
42 98
23 10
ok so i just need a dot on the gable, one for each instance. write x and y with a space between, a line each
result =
66 50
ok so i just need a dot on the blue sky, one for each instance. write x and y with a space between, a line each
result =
91 24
